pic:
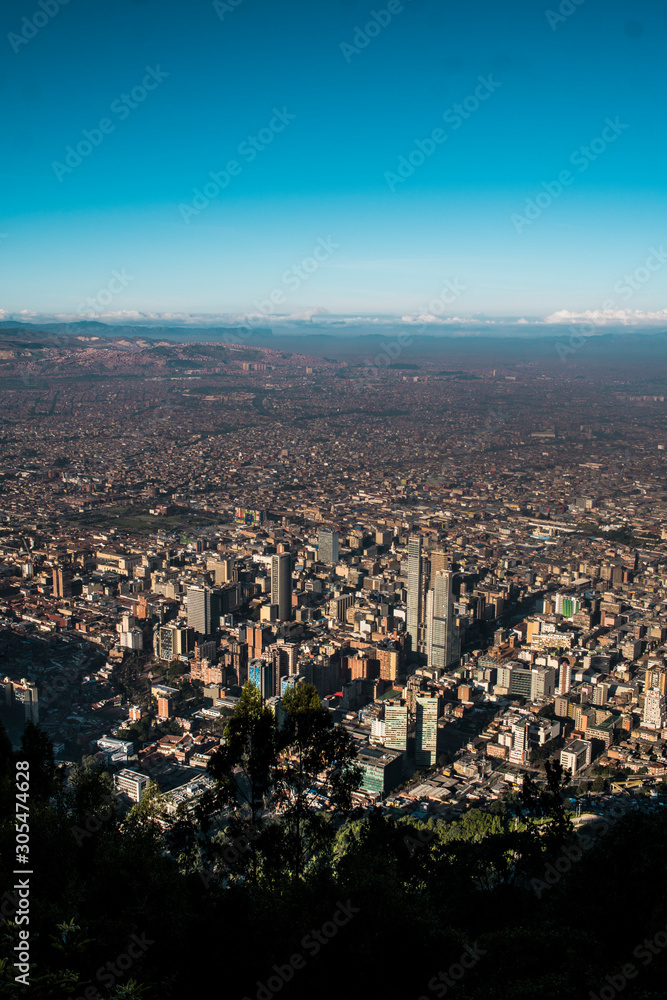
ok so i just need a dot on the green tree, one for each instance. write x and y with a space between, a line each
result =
148 813
544 807
91 790
244 764
316 761
175 670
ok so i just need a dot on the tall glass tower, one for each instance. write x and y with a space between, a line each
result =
439 621
426 745
327 546
281 584
415 587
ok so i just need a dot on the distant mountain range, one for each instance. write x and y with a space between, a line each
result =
365 345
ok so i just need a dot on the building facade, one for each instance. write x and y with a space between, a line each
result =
281 584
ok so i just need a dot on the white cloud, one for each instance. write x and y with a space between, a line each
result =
610 317
316 317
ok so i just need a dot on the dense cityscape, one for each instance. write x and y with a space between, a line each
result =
476 594
333 500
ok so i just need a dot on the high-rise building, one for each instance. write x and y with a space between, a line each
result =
389 657
281 584
564 677
654 709
416 609
396 726
520 749
323 672
601 694
206 650
164 708
440 621
439 561
567 605
562 707
381 771
130 637
284 657
133 639
327 546
415 684
543 685
426 746
656 677
260 673
62 581
28 694
222 570
259 637
133 783
532 683
174 640
575 755
199 609
337 606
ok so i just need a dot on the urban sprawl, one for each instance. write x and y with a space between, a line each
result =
468 564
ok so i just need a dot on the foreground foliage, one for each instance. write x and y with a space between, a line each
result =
368 904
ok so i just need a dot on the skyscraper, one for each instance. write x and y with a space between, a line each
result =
173 640
439 561
284 656
199 610
426 746
327 546
62 581
260 673
222 569
396 726
656 677
415 589
564 676
281 584
654 709
439 620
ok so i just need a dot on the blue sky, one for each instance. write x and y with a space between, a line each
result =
315 107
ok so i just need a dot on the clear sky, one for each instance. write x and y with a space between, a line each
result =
315 102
